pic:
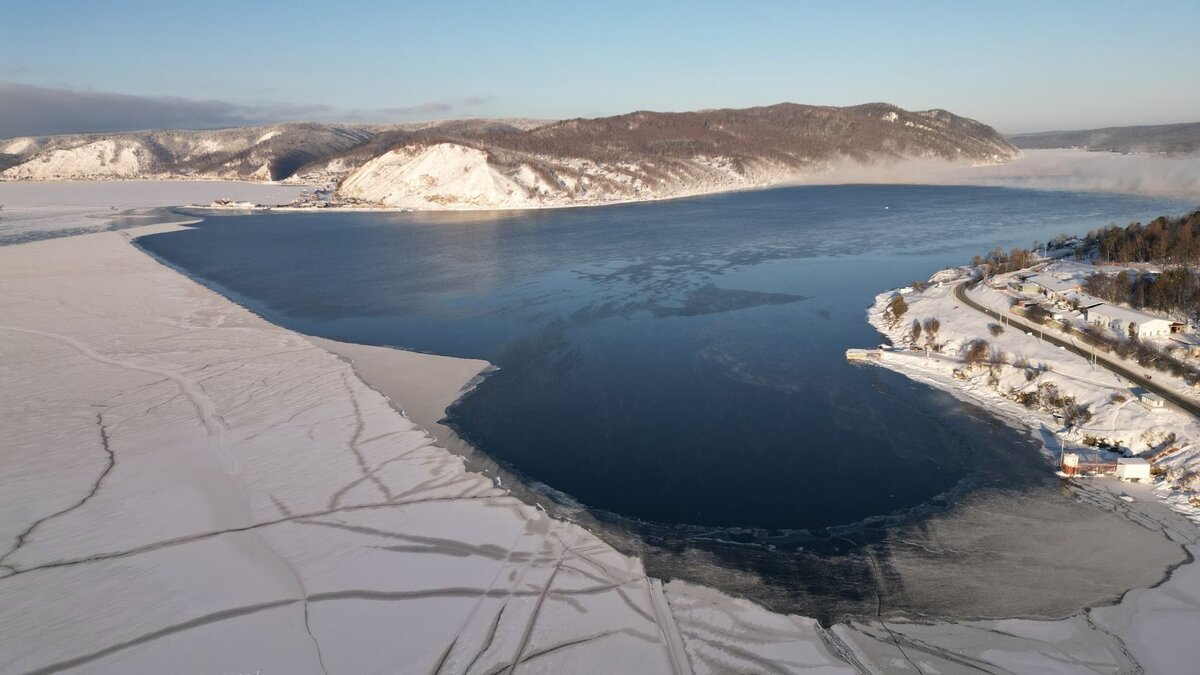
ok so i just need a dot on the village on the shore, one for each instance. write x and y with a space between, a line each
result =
1111 390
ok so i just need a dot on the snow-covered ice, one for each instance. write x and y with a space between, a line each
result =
181 474
33 210
187 487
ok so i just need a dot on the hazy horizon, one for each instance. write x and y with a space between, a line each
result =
1020 68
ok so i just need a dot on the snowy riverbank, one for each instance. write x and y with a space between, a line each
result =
181 474
1033 383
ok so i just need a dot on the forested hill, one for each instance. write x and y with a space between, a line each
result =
1159 138
1166 240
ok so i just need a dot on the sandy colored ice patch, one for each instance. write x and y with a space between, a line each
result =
421 385
1054 555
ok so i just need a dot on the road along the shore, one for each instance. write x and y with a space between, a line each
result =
1190 406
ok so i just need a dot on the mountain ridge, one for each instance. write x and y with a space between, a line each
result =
481 163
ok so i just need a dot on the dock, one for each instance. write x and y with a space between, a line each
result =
860 355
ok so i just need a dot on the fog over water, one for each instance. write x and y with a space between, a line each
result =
1163 175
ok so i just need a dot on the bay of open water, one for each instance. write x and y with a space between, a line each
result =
678 366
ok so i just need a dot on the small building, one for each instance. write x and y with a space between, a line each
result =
1133 469
1023 286
1152 401
1189 342
1053 287
1082 300
1124 321
1070 463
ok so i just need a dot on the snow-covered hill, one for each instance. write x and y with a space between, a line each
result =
520 164
107 158
454 176
252 153
445 174
648 155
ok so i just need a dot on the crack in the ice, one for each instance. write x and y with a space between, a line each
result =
454 592
367 473
879 605
162 632
761 662
312 406
445 655
933 551
490 638
443 546
1087 615
616 584
1066 656
308 629
100 557
522 569
942 653
212 422
585 639
261 386
533 617
429 484
283 508
110 462
836 645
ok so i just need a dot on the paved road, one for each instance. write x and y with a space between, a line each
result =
1188 405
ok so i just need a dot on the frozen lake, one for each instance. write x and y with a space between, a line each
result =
678 368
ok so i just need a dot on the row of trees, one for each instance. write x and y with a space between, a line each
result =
1164 240
1174 291
1171 242
999 262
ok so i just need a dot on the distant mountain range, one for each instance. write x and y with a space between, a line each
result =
519 163
1159 138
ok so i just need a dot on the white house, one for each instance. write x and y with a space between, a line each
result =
1119 320
1053 287
1133 469
1152 401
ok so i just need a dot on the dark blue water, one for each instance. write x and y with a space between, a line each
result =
678 362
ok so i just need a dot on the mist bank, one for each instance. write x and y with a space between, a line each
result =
1155 175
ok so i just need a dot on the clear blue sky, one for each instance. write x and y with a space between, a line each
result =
1020 66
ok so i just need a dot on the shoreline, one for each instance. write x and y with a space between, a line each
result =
380 368
304 476
422 386
1104 391
1062 169
276 420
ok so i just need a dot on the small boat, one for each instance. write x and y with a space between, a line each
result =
1125 497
